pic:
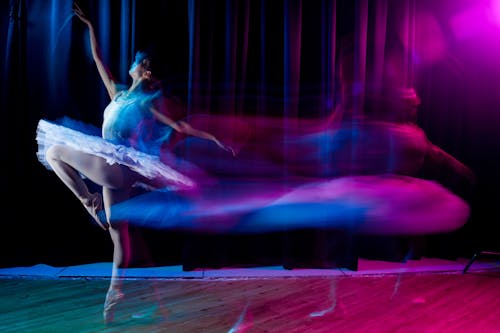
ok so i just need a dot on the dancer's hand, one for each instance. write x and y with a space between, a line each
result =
225 147
81 15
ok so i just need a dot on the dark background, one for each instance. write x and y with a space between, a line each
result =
243 57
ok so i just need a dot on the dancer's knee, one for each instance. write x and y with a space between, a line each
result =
53 153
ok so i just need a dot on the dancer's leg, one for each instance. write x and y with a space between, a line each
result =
116 180
119 230
121 257
128 249
69 164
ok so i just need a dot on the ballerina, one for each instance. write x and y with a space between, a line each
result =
136 124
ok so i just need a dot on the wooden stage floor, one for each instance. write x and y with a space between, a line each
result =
426 295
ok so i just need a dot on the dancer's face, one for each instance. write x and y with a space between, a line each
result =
133 68
137 70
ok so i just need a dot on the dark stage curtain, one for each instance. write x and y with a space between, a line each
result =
250 57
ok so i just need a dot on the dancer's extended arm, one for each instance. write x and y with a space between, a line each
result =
104 72
185 128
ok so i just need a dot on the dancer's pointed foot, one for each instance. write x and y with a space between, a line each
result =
115 309
113 298
95 209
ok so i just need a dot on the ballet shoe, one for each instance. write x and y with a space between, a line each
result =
95 209
113 299
116 310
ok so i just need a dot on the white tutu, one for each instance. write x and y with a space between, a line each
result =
149 166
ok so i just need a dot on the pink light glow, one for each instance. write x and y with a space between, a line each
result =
477 21
469 23
430 44
495 12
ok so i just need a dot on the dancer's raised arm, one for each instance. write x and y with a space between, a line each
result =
104 72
